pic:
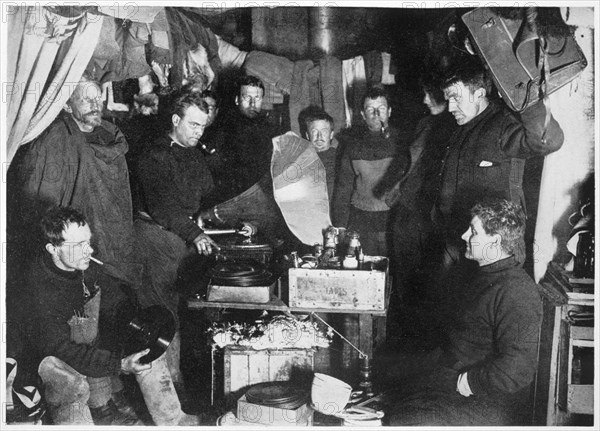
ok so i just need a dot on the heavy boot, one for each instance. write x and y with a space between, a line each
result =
66 392
161 397
123 404
109 414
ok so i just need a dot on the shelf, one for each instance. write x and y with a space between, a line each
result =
580 399
582 333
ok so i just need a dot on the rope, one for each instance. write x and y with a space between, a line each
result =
362 355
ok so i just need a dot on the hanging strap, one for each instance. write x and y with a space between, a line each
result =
543 65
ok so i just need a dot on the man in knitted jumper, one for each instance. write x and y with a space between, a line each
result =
367 152
79 368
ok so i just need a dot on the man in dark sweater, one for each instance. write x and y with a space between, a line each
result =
484 370
66 299
367 152
245 153
319 131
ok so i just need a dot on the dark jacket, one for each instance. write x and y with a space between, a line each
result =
330 161
494 336
485 158
173 181
55 296
245 153
87 171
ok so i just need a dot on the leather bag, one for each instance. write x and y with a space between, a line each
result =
524 66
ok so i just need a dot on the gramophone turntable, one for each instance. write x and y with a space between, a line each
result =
238 247
240 281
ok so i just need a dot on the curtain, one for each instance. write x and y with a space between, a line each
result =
47 54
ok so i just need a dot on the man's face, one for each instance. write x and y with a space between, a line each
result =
85 106
75 251
481 247
213 111
320 134
188 129
376 113
250 101
464 103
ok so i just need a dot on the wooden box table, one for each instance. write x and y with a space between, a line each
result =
364 337
558 394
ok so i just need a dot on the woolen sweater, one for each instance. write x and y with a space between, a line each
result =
494 336
365 159
56 295
173 181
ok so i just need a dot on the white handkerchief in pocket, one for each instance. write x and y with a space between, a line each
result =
485 164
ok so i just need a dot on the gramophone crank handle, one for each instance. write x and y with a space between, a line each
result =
220 231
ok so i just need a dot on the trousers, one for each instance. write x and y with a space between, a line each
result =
70 394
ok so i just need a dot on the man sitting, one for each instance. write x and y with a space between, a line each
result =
65 301
483 373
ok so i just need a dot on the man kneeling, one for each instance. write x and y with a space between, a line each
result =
80 375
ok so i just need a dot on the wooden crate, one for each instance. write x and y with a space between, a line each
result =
339 289
244 367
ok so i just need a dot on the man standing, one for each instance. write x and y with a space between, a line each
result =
483 372
213 139
78 161
66 298
486 156
367 151
247 146
319 131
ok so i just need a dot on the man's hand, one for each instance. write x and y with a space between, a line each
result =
248 229
131 364
204 244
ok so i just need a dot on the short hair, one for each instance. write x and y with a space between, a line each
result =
183 101
374 92
471 73
251 81
502 217
212 94
431 84
315 113
56 220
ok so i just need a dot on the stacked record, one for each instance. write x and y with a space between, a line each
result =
282 395
244 274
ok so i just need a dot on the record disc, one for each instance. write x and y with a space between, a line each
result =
240 273
152 327
277 394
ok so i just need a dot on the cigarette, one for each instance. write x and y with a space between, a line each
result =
99 262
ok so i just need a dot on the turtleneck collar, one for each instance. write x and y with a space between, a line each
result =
500 265
69 275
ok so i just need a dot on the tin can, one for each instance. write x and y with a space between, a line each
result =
317 250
